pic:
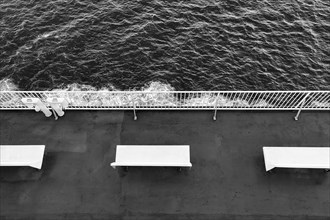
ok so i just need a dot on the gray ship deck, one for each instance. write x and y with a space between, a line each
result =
227 181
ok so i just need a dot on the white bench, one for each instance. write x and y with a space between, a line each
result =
152 155
22 155
297 157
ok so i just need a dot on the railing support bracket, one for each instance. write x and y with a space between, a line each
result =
297 115
135 116
215 115
55 115
215 108
301 104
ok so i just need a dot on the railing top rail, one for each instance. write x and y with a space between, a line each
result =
106 91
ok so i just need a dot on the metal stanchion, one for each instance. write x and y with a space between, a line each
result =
135 116
216 108
301 104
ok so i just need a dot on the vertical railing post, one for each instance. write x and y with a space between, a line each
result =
55 115
135 116
301 104
216 107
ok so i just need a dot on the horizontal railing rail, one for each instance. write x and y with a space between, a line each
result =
171 100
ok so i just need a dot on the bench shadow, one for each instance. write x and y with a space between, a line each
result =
25 173
153 171
19 174
302 176
298 175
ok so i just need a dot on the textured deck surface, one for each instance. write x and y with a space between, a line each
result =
227 180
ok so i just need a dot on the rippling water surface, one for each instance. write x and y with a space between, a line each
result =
190 45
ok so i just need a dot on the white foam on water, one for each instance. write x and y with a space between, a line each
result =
7 84
149 87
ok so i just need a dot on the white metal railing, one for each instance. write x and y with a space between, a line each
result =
171 100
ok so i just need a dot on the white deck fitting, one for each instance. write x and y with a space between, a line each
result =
152 155
297 157
37 104
22 155
57 104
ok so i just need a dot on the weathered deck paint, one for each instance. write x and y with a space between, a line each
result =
227 180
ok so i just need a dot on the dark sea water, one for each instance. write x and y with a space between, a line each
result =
190 45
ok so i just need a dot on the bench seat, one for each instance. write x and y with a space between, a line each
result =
152 155
22 155
297 157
